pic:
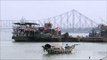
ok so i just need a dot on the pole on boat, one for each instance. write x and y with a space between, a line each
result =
89 57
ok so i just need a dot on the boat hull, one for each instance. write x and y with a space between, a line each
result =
36 39
59 51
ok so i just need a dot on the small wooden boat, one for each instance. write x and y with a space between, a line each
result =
58 50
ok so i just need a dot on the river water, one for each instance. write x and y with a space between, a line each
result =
10 50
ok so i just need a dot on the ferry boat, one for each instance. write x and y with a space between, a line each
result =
28 31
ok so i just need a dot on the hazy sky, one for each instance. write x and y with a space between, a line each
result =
34 10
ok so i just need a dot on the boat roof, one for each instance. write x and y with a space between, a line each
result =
27 23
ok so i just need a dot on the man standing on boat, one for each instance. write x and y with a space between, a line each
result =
67 46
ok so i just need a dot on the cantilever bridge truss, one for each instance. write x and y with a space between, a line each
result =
71 19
